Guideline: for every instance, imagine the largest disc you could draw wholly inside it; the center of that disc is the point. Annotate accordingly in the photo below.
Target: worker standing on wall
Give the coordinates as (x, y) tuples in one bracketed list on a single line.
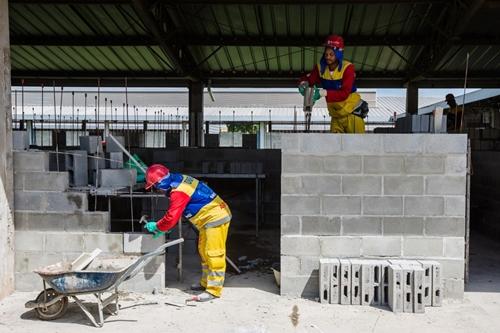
[(336, 77), (453, 115), (208, 213)]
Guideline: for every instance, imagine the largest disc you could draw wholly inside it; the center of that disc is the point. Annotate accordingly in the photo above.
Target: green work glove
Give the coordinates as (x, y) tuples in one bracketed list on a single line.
[(302, 87), (151, 226), (316, 94)]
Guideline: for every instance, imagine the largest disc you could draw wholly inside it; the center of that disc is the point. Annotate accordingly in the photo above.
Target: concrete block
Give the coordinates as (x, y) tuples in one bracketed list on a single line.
[(31, 161), (381, 246), (418, 290), (115, 160), (361, 225), (290, 225), (61, 221), (383, 205), (321, 184), (377, 280), (299, 286), (91, 144), (342, 164), (454, 247), (423, 165), (450, 185), (76, 163), (403, 185), (338, 246), (44, 181), (345, 281), (29, 241), (367, 285), (291, 184), (117, 177), (382, 165), (403, 143), (309, 265), (64, 242), (300, 205), (359, 185), (456, 164), (453, 289), (385, 283), (144, 283), (65, 202), (301, 164), (320, 225), (395, 288), (325, 275), (427, 282), (445, 226), (27, 282), (30, 201), (362, 144), (355, 281), (340, 205), (437, 292), (27, 262), (335, 282), (424, 206), (407, 272), (107, 242), (446, 144), (320, 145), (452, 268), (290, 265), (134, 243), (403, 226), (288, 143), (20, 140), (454, 206), (422, 247), (112, 147), (300, 245)]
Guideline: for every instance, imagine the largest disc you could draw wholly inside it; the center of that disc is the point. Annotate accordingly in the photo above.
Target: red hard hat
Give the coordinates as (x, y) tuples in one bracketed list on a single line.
[(334, 41), (154, 174)]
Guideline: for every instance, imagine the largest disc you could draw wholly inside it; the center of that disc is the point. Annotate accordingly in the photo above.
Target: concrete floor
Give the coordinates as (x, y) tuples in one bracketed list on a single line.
[(251, 304)]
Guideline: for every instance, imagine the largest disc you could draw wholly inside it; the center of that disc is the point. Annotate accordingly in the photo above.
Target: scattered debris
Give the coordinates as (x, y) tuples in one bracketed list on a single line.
[(294, 317)]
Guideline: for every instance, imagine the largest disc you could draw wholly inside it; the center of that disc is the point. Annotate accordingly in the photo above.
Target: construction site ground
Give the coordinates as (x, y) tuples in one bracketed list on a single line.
[(251, 304)]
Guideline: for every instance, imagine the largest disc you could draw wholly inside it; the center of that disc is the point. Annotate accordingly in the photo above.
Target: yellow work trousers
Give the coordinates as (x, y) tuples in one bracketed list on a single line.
[(343, 121), (212, 250), (347, 124)]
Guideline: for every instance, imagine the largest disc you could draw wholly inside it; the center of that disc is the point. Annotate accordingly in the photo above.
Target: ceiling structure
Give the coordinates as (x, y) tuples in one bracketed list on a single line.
[(259, 43)]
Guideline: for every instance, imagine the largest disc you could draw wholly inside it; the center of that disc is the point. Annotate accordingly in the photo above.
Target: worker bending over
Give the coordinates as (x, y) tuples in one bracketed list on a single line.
[(206, 211), (336, 77)]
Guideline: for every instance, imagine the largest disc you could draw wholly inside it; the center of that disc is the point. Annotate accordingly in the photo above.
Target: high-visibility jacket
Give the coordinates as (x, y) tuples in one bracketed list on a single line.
[(195, 201)]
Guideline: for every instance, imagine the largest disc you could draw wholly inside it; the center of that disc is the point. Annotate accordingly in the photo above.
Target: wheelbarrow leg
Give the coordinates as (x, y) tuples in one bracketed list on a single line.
[(86, 311), (100, 307)]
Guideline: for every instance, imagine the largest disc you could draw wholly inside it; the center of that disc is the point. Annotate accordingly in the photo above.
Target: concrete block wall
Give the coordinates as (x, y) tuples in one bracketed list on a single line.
[(53, 224), (373, 196)]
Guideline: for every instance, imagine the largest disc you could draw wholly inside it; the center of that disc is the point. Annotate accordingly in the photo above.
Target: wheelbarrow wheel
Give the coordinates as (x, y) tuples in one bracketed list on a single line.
[(54, 311)]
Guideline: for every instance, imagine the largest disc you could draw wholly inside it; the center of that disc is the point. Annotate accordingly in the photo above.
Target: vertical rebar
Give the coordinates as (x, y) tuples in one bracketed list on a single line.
[(85, 110), (111, 109), (60, 107), (73, 118), (22, 102), (15, 108), (41, 125)]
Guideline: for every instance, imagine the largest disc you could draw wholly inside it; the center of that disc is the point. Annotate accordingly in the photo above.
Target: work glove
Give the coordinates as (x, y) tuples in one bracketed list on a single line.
[(302, 87), (152, 227), (318, 93)]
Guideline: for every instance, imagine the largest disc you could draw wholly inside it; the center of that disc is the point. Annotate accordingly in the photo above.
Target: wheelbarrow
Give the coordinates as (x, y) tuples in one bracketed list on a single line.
[(52, 302)]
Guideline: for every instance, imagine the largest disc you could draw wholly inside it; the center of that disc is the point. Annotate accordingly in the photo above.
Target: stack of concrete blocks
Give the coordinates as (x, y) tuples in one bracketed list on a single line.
[(53, 224), (230, 139), (373, 196), (403, 285)]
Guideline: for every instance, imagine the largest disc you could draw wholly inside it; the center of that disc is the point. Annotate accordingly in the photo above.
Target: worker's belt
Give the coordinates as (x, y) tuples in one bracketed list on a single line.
[(361, 110)]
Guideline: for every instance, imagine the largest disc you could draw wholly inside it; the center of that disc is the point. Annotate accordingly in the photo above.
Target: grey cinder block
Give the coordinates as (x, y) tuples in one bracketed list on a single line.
[(327, 144), (355, 281), (341, 205), (427, 282), (423, 165), (117, 177), (301, 164), (418, 290), (437, 293), (91, 143), (383, 164), (321, 184), (361, 225), (359, 185), (335, 282), (342, 165), (367, 268), (112, 147), (407, 273), (395, 288), (320, 225), (329, 281), (300, 205), (345, 281), (31, 161)]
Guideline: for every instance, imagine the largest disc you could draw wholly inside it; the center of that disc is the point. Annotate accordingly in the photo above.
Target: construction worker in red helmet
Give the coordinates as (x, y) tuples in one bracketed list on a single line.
[(336, 77), (206, 211)]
